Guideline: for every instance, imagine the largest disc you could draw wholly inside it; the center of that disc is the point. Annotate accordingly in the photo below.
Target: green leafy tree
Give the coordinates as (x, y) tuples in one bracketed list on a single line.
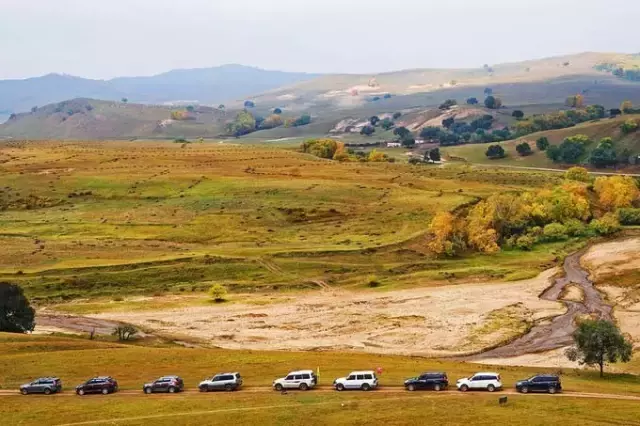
[(124, 100), (218, 293), (277, 111), (401, 132), (434, 155), (368, 130), (488, 91), (494, 152), (598, 342), (249, 104), (542, 143), (524, 149), (243, 124), (374, 120), (448, 104), (408, 142), (397, 115), (190, 108), (16, 315), (124, 332), (614, 112), (448, 122), (472, 101), (387, 124), (517, 114), (492, 102), (629, 126)]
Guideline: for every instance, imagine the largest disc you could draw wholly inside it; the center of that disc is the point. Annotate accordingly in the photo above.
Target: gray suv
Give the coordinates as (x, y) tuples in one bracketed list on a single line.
[(45, 385), (221, 382)]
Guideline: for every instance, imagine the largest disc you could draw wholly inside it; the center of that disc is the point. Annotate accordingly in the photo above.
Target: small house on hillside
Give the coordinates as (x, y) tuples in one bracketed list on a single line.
[(393, 145)]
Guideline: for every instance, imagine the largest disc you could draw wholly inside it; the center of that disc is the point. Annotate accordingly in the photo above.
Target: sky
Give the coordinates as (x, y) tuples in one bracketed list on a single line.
[(109, 38)]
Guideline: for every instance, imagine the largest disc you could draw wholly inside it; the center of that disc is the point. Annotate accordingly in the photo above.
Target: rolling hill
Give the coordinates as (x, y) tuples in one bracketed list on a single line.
[(207, 86)]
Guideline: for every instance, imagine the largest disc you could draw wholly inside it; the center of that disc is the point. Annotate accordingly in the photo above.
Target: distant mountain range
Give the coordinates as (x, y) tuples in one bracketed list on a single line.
[(200, 86)]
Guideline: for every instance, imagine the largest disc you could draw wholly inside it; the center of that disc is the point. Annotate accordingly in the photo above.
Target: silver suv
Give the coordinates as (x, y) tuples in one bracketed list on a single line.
[(221, 382), (45, 385)]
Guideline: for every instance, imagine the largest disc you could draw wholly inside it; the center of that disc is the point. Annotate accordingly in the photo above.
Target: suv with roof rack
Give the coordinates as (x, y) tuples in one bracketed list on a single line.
[(303, 380), (221, 382), (170, 384), (435, 381), (45, 385), (103, 385)]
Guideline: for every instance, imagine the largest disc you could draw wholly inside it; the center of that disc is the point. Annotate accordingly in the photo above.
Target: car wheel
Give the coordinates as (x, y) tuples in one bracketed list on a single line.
[(47, 391), (279, 387), (24, 391), (340, 387), (366, 387), (172, 390), (202, 388), (552, 390), (491, 388), (411, 387), (524, 389), (304, 387), (464, 388), (147, 390), (437, 387), (80, 392), (228, 387), (105, 391)]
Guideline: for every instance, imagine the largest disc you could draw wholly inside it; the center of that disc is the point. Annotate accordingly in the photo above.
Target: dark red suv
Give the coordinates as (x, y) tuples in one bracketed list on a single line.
[(103, 385)]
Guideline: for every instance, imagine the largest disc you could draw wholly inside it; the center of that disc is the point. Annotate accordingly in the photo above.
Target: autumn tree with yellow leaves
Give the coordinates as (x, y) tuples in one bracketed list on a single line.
[(616, 192)]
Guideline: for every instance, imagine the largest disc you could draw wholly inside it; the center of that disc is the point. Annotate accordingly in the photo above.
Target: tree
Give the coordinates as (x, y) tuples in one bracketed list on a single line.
[(303, 120), (374, 120), (16, 315), (277, 111), (408, 141), (243, 124), (579, 174), (125, 100), (323, 148), (397, 115), (447, 122), (613, 112), (492, 102), (597, 342), (448, 104), (218, 293), (434, 155), (445, 239), (249, 104), (629, 126), (387, 124), (190, 108), (488, 91), (271, 122), (387, 96), (494, 152), (524, 149), (542, 143), (472, 101), (626, 107), (517, 114), (616, 192), (34, 109), (368, 130), (430, 132), (376, 156), (604, 155), (221, 107), (124, 332), (575, 101), (401, 132)]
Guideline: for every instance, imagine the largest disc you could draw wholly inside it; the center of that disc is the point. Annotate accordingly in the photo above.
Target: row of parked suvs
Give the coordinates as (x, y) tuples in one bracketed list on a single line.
[(304, 380)]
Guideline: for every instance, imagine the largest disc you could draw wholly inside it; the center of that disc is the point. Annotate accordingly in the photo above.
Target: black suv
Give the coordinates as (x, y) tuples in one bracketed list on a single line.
[(170, 384), (45, 385), (540, 383), (435, 381), (103, 385)]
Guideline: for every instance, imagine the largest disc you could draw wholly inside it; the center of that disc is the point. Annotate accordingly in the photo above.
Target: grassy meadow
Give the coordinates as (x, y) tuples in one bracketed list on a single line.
[(132, 366), (97, 219)]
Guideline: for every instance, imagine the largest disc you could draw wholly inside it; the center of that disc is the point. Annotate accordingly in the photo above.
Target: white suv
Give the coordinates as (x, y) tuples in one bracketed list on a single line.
[(303, 380), (483, 381), (365, 380)]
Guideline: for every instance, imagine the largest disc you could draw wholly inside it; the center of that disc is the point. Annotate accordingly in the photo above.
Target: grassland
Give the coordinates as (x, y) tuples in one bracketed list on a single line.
[(26, 357), (98, 219), (596, 130)]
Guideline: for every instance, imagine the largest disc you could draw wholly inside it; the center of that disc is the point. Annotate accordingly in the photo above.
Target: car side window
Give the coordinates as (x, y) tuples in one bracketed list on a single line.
[(360, 377), (537, 379), (306, 376), (352, 377), (368, 376), (290, 377), (298, 377)]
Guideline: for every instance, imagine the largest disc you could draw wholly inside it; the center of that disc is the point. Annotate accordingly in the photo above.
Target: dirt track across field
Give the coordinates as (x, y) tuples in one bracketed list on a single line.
[(556, 333)]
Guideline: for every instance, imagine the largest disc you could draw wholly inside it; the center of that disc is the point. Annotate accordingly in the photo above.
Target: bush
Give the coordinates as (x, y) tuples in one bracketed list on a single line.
[(124, 332), (218, 293), (415, 160), (472, 101), (373, 282), (629, 126), (542, 143), (524, 149), (495, 152), (526, 242), (397, 115), (555, 232), (517, 114), (576, 228), (606, 225), (323, 148), (579, 174), (448, 104), (629, 216), (368, 130), (492, 102), (16, 314)]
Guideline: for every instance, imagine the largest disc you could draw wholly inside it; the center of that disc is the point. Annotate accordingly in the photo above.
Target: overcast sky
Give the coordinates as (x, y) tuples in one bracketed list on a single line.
[(107, 38)]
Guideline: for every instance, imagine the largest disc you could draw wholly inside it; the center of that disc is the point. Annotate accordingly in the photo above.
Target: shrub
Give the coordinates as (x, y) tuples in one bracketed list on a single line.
[(629, 216), (373, 282), (218, 293), (517, 114), (542, 143), (415, 160), (577, 173), (495, 152), (526, 242), (575, 228), (323, 148), (629, 126), (368, 130), (492, 102), (524, 149), (448, 104), (606, 225), (124, 332), (397, 115), (472, 101), (555, 232)]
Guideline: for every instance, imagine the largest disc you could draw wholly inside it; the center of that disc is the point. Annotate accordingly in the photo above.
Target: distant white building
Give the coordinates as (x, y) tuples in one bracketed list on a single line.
[(393, 145), (419, 141)]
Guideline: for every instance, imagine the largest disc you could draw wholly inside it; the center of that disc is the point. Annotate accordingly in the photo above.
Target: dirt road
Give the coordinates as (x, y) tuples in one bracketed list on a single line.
[(556, 333)]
